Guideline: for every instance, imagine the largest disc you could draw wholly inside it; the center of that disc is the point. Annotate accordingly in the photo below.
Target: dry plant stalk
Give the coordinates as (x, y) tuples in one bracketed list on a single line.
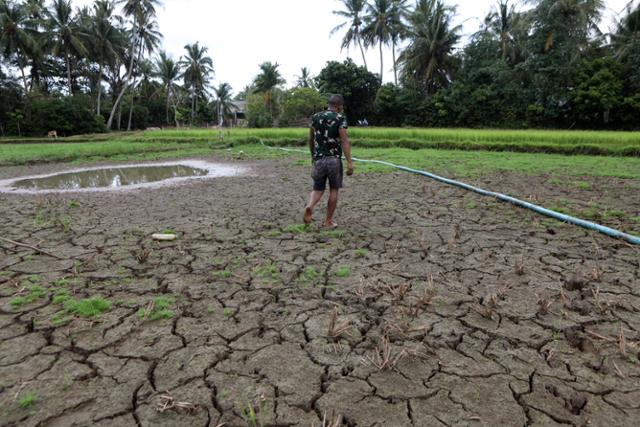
[(398, 292), (149, 309), (142, 255), (166, 402), (335, 421), (544, 304), (622, 342), (383, 359), (336, 330), (519, 267)]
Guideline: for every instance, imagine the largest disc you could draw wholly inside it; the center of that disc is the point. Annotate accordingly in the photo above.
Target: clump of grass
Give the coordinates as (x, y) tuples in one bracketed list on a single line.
[(88, 307), (222, 274), (27, 400), (360, 253), (296, 228), (308, 275), (334, 234), (267, 271), (156, 309), (227, 312), (61, 297), (36, 292), (343, 271)]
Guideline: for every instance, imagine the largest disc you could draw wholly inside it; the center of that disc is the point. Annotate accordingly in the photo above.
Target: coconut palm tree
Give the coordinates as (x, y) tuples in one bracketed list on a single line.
[(67, 35), (223, 102), (304, 79), (143, 15), (168, 71), (105, 39), (198, 67), (267, 81), (399, 13), (15, 38), (432, 37), (353, 11), (627, 35), (379, 26)]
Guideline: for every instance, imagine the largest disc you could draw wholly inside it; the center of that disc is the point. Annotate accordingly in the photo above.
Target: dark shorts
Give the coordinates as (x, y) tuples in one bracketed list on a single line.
[(327, 168)]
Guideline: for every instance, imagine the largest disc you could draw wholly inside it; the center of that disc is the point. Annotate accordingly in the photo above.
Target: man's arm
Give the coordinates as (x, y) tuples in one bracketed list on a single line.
[(312, 133), (346, 149)]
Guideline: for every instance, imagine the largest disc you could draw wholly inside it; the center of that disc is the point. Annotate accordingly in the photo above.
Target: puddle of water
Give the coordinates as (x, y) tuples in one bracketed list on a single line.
[(119, 177)]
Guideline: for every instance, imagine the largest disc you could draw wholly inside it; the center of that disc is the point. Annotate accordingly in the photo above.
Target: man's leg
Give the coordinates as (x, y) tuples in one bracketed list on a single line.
[(314, 198), (331, 206)]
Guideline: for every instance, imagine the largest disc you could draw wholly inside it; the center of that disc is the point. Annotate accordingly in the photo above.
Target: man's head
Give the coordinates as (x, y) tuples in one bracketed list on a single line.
[(336, 102)]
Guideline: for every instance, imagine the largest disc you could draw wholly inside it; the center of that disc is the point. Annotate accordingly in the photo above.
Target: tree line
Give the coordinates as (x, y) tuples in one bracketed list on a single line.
[(98, 68)]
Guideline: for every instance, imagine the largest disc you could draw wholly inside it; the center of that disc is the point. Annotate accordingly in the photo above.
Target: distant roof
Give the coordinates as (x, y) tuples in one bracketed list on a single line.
[(239, 106)]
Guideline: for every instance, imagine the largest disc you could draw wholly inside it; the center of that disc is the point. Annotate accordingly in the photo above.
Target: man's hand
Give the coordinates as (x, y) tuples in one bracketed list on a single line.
[(349, 169)]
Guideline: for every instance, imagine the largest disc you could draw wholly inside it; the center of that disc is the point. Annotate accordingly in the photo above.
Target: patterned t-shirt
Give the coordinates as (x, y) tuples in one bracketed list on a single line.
[(326, 125)]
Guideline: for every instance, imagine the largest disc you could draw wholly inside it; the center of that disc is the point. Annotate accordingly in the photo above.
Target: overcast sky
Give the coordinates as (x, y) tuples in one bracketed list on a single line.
[(241, 34)]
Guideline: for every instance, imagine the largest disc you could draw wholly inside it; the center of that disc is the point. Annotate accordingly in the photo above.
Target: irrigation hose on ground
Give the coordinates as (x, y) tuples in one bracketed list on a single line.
[(612, 232)]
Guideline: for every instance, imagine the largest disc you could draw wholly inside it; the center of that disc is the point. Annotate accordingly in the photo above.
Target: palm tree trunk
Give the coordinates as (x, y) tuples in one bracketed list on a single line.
[(395, 67), (168, 98), (27, 98), (362, 52), (119, 116), (99, 87), (193, 108), (131, 109), (124, 89), (381, 64), (69, 75)]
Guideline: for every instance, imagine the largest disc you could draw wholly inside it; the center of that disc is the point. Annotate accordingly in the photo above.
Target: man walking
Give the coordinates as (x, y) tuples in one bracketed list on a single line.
[(327, 141)]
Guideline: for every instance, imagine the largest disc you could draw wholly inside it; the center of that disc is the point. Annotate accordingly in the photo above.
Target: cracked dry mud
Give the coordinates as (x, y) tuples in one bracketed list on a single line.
[(489, 315)]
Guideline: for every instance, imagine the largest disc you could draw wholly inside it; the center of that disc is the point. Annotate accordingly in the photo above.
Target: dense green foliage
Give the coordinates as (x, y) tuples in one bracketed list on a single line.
[(545, 64)]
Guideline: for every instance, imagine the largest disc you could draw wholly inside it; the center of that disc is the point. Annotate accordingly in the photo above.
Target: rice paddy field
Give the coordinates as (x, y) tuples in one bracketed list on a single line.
[(428, 305)]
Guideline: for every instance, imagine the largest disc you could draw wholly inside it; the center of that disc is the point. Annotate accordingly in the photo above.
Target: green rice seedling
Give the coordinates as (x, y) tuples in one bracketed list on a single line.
[(88, 307), (343, 271), (73, 204), (227, 312), (27, 400)]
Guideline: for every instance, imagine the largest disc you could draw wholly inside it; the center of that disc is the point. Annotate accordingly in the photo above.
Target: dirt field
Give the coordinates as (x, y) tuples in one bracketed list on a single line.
[(428, 306)]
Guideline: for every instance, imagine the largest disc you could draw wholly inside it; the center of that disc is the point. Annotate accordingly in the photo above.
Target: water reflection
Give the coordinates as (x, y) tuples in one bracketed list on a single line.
[(110, 178)]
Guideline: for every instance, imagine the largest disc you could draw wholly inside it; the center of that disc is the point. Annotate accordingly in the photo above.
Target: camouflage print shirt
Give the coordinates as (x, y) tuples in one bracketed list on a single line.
[(326, 126)]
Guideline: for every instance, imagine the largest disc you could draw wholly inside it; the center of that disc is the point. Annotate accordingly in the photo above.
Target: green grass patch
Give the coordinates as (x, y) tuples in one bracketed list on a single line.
[(27, 400), (343, 271), (36, 292), (267, 271), (159, 309), (296, 228), (309, 274), (222, 274), (360, 253), (88, 307)]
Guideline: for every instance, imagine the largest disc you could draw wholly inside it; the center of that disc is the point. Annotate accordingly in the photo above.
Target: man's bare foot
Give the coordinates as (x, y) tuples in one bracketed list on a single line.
[(330, 224), (307, 215)]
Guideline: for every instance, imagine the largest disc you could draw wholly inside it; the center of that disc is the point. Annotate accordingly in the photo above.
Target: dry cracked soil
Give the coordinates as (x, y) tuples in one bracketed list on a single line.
[(428, 306)]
